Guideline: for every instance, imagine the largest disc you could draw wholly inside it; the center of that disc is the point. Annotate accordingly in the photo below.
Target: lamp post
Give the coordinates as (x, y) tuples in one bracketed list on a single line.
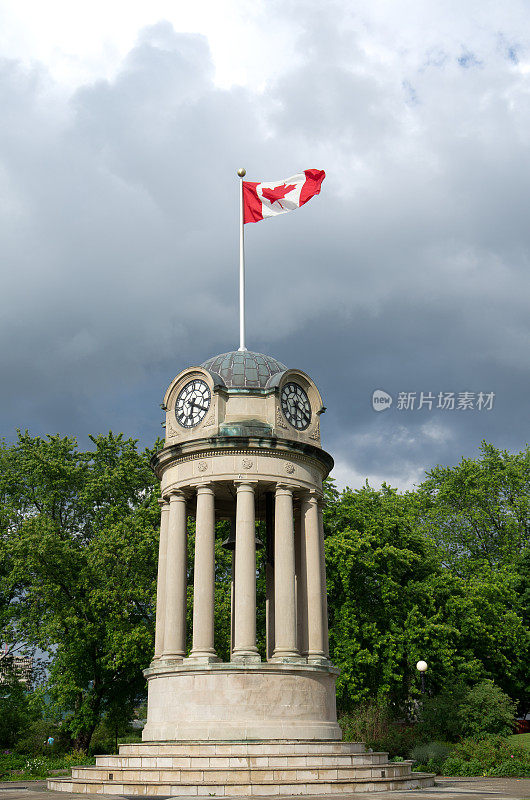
[(421, 666)]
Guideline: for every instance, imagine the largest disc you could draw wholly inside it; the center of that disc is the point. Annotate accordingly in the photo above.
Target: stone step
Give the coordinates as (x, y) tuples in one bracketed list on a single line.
[(223, 762), (271, 747), (315, 787), (241, 775)]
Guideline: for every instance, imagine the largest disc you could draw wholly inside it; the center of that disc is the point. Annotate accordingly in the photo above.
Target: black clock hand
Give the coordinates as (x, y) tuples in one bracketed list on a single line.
[(301, 412)]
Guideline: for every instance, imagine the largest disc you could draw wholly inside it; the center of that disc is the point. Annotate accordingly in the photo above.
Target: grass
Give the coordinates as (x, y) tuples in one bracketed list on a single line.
[(522, 739)]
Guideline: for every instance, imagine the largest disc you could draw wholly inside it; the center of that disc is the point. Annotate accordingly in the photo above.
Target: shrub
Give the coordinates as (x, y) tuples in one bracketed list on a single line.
[(10, 762), (463, 712), (439, 720), (76, 758), (372, 723), (368, 722), (486, 709), (37, 767), (14, 766), (488, 756), (431, 755), (33, 739)]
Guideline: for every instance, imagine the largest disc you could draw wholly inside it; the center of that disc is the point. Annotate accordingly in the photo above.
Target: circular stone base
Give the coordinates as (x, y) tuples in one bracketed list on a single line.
[(226, 702)]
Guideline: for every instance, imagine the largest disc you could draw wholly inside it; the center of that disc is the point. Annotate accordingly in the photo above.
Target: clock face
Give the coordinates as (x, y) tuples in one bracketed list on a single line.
[(192, 403), (296, 406)]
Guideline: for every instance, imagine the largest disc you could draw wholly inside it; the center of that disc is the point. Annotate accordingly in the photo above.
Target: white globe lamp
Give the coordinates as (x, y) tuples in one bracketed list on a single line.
[(421, 666)]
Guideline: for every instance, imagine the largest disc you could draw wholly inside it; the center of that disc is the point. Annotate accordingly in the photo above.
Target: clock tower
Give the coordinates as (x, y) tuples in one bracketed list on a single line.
[(243, 444)]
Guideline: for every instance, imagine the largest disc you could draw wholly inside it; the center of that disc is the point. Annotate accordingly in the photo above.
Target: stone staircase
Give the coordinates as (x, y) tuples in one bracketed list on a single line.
[(235, 769)]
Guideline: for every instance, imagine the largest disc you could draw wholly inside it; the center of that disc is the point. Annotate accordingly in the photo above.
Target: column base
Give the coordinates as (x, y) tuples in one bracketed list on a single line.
[(288, 658), (245, 658), (318, 659), (168, 658), (201, 658)]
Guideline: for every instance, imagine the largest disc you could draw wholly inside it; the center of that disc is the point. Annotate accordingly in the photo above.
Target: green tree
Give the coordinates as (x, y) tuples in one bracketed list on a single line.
[(393, 601), (80, 534), (16, 713), (478, 512), (380, 615)]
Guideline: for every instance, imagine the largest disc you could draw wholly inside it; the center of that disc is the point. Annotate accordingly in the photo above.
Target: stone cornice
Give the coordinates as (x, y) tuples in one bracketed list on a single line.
[(170, 667), (239, 445)]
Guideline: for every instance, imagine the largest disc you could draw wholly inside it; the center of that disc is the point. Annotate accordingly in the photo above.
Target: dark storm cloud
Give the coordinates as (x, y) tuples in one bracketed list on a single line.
[(408, 273)]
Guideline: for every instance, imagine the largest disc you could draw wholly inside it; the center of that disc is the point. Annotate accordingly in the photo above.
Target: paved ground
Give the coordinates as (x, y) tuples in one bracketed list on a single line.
[(445, 789)]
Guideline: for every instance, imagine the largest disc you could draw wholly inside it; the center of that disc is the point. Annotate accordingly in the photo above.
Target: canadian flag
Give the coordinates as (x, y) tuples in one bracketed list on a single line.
[(262, 200)]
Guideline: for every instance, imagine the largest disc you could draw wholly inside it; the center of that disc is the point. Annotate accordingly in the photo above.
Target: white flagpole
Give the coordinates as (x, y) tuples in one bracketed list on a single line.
[(241, 172)]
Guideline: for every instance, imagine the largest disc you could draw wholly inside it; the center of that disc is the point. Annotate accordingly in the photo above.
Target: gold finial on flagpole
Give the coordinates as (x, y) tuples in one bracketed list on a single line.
[(241, 172)]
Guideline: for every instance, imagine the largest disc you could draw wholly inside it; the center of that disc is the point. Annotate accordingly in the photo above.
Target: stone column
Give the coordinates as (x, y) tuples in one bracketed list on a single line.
[(176, 578), (325, 632), (316, 580), (232, 600), (245, 575), (301, 581), (284, 570), (161, 579), (269, 610), (269, 573), (204, 576)]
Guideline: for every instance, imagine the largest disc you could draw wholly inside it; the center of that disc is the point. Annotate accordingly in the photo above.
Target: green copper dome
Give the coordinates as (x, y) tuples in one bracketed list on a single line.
[(242, 369)]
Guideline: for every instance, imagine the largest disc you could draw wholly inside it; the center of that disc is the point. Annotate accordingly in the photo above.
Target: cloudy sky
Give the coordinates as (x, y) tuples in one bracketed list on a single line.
[(123, 124)]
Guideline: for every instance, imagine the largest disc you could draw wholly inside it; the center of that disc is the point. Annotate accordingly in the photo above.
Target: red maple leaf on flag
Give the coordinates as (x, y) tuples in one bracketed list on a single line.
[(277, 193)]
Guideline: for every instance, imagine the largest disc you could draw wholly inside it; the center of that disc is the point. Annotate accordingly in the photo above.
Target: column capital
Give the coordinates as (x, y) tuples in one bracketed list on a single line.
[(285, 488), (176, 494), (205, 487), (312, 496), (162, 502), (241, 484)]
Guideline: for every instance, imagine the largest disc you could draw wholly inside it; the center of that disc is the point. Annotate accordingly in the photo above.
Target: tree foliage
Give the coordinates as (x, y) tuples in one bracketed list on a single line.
[(478, 512), (16, 712), (394, 600), (79, 532)]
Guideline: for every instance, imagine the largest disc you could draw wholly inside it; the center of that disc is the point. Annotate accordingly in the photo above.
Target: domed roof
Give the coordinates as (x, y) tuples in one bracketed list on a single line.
[(242, 369)]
